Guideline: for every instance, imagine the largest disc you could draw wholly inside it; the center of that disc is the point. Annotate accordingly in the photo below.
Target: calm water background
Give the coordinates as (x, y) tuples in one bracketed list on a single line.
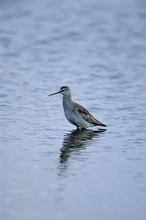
[(49, 171)]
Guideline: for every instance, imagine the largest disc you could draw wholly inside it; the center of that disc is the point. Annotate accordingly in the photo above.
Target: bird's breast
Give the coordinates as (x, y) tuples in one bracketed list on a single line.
[(68, 114)]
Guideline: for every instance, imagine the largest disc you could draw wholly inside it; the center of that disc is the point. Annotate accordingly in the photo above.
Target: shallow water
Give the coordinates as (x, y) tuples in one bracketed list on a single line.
[(49, 170)]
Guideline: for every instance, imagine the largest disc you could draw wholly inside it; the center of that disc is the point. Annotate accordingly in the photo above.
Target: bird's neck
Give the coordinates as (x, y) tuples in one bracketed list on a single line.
[(67, 101)]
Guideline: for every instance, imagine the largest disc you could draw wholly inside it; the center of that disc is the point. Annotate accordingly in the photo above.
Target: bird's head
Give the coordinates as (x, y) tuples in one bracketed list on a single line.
[(64, 90)]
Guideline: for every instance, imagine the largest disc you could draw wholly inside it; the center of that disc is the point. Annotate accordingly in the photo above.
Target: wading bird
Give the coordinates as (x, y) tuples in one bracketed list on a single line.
[(75, 113)]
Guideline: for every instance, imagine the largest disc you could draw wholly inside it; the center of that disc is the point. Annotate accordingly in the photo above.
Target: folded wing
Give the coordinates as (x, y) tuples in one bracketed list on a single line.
[(85, 114)]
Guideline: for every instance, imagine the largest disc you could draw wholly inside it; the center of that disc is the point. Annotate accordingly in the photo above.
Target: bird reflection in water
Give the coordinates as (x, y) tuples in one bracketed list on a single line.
[(76, 140)]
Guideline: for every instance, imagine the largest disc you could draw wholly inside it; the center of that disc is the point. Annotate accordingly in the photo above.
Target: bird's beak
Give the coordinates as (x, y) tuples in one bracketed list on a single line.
[(55, 93)]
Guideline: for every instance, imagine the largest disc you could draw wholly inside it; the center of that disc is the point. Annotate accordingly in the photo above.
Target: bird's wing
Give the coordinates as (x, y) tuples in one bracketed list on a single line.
[(85, 114)]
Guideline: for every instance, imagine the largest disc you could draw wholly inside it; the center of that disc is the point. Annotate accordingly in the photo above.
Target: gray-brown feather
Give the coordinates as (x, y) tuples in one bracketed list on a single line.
[(85, 114)]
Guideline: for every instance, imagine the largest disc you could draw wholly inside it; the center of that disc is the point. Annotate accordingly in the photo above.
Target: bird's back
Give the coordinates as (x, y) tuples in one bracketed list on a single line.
[(87, 116)]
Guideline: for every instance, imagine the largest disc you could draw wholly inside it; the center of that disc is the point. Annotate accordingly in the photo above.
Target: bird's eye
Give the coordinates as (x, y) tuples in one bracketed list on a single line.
[(63, 89)]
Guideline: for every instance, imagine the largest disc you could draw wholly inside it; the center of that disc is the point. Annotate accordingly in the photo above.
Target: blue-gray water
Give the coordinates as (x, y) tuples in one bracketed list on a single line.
[(49, 171)]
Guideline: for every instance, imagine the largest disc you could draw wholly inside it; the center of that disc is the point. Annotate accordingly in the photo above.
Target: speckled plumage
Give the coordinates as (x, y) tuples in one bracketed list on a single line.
[(75, 113)]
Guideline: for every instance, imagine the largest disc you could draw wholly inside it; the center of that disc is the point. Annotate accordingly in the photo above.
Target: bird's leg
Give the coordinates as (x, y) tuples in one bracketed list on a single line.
[(80, 128)]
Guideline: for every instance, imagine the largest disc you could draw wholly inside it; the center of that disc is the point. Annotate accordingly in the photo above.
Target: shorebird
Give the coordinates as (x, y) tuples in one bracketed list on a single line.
[(75, 113)]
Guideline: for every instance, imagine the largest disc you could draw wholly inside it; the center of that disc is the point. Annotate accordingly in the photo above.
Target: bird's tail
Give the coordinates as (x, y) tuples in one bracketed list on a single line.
[(98, 123), (101, 124)]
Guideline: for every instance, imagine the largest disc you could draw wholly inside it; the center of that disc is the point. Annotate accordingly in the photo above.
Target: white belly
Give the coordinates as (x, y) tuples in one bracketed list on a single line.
[(76, 119)]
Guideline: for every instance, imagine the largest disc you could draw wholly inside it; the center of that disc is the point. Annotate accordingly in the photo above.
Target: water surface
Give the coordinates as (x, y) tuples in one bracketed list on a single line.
[(49, 170)]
